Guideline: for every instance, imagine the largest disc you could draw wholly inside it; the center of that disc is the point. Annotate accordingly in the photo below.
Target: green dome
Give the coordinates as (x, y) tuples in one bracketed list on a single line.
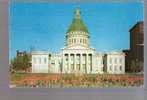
[(77, 23)]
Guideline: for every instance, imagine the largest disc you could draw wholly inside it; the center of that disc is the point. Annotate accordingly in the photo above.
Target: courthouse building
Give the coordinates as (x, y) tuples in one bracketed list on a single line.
[(77, 56)]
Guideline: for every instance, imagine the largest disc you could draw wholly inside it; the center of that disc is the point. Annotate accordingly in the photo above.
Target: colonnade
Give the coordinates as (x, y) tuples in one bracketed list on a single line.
[(77, 62)]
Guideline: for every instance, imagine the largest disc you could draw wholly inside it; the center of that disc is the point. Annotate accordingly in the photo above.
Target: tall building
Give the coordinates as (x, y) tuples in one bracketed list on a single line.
[(135, 56), (137, 41), (77, 56)]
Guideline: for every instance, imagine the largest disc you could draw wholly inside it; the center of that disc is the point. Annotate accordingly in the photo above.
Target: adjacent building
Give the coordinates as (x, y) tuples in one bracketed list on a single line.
[(114, 63), (40, 62), (21, 53), (135, 55)]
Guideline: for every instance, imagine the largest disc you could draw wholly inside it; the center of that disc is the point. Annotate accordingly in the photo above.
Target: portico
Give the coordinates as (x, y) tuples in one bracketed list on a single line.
[(78, 61)]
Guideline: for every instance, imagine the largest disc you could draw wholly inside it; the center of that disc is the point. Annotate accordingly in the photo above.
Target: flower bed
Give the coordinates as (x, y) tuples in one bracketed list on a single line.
[(72, 81)]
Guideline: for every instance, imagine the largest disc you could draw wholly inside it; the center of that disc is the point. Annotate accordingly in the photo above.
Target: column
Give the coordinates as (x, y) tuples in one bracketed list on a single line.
[(93, 63), (87, 69), (113, 68), (81, 67), (84, 56), (74, 62), (63, 65), (69, 68), (90, 56)]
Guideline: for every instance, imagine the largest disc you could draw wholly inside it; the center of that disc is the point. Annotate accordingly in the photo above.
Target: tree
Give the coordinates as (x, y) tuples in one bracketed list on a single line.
[(21, 63)]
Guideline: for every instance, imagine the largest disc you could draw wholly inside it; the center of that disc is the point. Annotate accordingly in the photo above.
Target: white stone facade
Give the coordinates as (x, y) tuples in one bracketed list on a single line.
[(99, 63), (79, 60), (78, 56), (82, 60), (40, 62), (115, 63), (55, 64)]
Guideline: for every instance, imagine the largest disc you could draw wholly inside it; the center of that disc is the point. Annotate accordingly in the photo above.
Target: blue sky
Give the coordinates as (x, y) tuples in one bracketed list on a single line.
[(42, 26)]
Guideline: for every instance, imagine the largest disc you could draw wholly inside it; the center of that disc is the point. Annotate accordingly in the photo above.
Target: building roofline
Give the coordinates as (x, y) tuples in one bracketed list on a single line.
[(139, 22), (40, 52)]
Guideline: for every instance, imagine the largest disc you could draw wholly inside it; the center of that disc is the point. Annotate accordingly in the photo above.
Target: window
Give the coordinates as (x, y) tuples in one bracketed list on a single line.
[(115, 60), (80, 40), (49, 56), (39, 60), (120, 60), (120, 68), (45, 60), (110, 68), (34, 60), (115, 68), (110, 60), (74, 40)]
